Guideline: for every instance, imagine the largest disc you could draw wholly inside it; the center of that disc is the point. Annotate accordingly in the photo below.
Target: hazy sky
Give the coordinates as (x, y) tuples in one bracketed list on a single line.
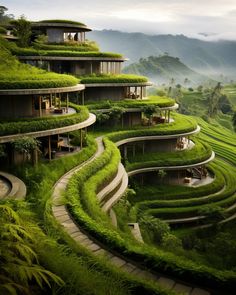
[(217, 18)]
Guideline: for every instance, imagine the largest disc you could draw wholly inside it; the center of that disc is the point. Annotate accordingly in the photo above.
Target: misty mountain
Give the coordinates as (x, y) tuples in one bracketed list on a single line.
[(164, 68), (203, 56)]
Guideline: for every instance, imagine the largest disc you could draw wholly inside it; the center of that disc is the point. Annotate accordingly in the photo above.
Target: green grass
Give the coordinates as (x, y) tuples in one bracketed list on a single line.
[(105, 78), (78, 47), (61, 21), (181, 124), (159, 101), (199, 153), (62, 52)]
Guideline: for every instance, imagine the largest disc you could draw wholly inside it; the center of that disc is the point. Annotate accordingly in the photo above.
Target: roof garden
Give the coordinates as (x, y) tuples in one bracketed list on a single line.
[(61, 23), (65, 53), (14, 75), (159, 101), (106, 78)]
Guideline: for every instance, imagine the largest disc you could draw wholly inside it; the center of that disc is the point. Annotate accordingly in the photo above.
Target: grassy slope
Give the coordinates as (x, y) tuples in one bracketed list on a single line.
[(163, 69)]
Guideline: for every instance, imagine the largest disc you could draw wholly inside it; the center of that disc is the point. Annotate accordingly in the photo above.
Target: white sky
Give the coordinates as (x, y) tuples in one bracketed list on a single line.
[(217, 18)]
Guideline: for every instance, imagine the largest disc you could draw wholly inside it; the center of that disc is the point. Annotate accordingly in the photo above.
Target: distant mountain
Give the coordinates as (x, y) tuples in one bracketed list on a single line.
[(204, 56), (164, 68)]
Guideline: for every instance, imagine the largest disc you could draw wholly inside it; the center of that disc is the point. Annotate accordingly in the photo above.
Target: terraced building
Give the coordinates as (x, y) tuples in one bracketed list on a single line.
[(142, 140)]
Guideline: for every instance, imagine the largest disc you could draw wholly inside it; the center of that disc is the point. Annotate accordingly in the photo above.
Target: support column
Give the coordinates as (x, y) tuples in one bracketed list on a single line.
[(143, 148), (134, 150), (49, 148), (40, 106), (141, 92), (50, 101), (68, 141), (169, 116), (82, 96), (81, 139), (67, 102), (101, 67), (91, 68), (125, 151)]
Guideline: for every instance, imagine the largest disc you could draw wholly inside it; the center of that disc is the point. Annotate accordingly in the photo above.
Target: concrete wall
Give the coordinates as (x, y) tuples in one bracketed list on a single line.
[(104, 93), (16, 106), (55, 35), (152, 178), (85, 67), (165, 145)]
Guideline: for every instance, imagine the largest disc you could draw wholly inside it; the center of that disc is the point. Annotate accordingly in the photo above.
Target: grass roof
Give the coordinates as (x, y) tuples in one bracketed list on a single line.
[(15, 75), (62, 21)]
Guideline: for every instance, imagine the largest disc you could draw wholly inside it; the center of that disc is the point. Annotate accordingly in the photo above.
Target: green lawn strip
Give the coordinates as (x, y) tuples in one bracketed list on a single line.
[(62, 52), (81, 47), (44, 123), (28, 80), (181, 124), (106, 78), (131, 103), (175, 192), (199, 153)]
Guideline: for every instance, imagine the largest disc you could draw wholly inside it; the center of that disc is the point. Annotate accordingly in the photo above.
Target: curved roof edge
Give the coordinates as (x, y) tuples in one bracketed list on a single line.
[(75, 88), (181, 167), (112, 84), (156, 137), (91, 120)]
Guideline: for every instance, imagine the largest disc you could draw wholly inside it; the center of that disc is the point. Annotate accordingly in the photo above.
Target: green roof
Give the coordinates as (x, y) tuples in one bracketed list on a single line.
[(15, 75), (122, 78), (62, 21)]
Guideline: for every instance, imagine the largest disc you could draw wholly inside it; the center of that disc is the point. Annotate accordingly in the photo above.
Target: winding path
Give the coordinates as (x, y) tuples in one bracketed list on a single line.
[(63, 217)]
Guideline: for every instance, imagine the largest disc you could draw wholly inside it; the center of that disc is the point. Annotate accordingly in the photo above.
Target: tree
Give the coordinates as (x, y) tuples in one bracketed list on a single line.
[(5, 18), (116, 113), (26, 145), (148, 111), (19, 267), (224, 104), (213, 97), (23, 31)]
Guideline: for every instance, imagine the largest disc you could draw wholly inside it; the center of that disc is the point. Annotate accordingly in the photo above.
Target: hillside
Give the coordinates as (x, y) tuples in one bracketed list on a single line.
[(163, 68), (201, 55)]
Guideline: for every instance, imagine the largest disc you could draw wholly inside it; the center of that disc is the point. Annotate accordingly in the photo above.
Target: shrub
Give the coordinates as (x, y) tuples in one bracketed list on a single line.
[(158, 227)]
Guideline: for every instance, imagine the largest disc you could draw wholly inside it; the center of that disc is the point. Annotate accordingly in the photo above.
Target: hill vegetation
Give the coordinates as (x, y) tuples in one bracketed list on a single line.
[(163, 68)]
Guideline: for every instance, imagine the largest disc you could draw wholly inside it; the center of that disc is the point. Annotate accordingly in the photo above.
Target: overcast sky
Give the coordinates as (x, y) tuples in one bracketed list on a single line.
[(216, 18)]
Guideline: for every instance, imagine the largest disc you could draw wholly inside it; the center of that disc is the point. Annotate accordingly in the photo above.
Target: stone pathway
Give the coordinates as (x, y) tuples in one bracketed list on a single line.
[(11, 187), (73, 230)]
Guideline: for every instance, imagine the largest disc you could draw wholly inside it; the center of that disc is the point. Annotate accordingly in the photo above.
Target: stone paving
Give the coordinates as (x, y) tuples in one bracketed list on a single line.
[(73, 230), (11, 187)]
